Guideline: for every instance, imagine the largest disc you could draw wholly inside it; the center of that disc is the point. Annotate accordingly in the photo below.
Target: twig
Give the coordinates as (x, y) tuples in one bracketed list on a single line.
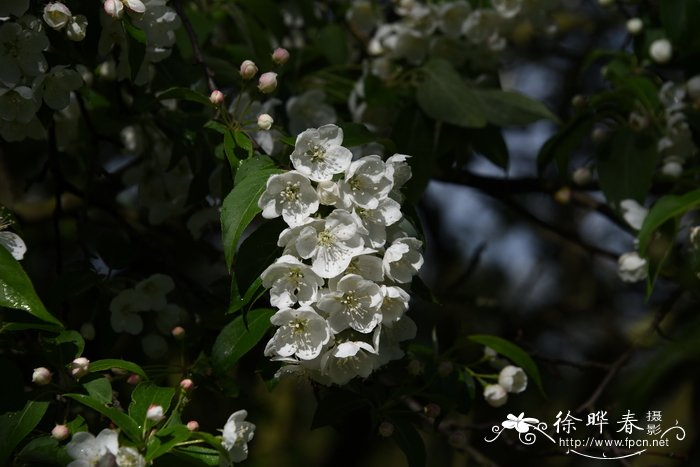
[(614, 368), (199, 58), (584, 365)]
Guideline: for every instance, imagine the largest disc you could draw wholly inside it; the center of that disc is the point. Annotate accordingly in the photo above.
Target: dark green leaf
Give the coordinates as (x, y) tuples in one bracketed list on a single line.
[(216, 126), (560, 147), (99, 389), (199, 454), (145, 395), (410, 442), (252, 166), (109, 363), (15, 426), (185, 94), (333, 42), (119, 418), (505, 108), (77, 424), (239, 209), (17, 291), (235, 340), (165, 440), (667, 208), (444, 96), (230, 150), (244, 142), (356, 134), (68, 345), (44, 450), (513, 353)]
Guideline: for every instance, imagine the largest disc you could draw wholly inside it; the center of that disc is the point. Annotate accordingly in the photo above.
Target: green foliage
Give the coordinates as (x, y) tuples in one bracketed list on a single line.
[(15, 426), (237, 338)]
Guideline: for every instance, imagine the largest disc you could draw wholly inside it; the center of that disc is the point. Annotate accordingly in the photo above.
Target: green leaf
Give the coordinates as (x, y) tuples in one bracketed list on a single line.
[(43, 450), (99, 389), (216, 126), (444, 96), (626, 164), (252, 166), (230, 150), (410, 442), (240, 302), (147, 394), (165, 439), (667, 208), (15, 426), (333, 42), (504, 108), (205, 456), (239, 209), (677, 18), (137, 34), (257, 252), (68, 345), (243, 142), (119, 418), (560, 147), (77, 424), (513, 353), (356, 134), (235, 340), (17, 291), (187, 95), (109, 363)]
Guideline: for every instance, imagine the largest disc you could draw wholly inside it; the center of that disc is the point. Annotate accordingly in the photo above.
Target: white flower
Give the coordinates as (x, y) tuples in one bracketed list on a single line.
[(265, 122), (633, 213), (348, 360), (124, 310), (390, 337), (58, 84), (368, 266), (399, 172), (18, 104), (236, 436), (21, 53), (402, 260), (632, 267), (452, 15), (14, 244), (394, 304), (508, 8), (309, 110), (88, 450), (79, 367), (289, 195), (364, 183), (634, 26), (153, 291), (115, 8), (495, 395), (76, 29), (129, 457), (387, 212), (693, 87), (291, 281), (481, 25), (331, 244), (267, 82), (355, 304), (302, 332), (661, 51), (328, 193), (56, 15), (512, 379), (289, 236), (318, 153)]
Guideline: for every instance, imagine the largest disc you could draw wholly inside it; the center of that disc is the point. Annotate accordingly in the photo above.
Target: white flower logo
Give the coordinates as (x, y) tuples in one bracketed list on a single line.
[(521, 424)]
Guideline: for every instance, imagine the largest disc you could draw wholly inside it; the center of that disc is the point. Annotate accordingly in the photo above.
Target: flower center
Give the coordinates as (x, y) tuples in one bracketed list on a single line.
[(326, 238), (296, 275), (317, 153), (290, 192), (350, 300), (355, 184), (298, 326)]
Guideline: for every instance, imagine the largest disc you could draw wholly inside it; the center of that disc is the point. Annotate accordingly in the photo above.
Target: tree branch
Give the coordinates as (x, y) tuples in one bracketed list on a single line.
[(192, 35)]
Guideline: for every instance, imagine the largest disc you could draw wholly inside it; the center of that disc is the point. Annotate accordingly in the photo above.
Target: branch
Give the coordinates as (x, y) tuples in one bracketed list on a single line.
[(612, 372), (199, 57)]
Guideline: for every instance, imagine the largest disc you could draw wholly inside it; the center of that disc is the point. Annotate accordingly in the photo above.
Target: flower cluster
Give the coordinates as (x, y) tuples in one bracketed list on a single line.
[(148, 295), (237, 433), (676, 145), (86, 449), (340, 286), (631, 266), (511, 379)]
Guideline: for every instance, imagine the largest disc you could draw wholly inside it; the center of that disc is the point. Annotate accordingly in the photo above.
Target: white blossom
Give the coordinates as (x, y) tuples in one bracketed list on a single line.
[(348, 360), (633, 213), (512, 379), (394, 304), (365, 184), (402, 260), (56, 15), (632, 267), (661, 51), (129, 457), (452, 15), (14, 244), (355, 303), (375, 221), (88, 450), (291, 281), (508, 8), (368, 266), (318, 153), (302, 332), (57, 85), (18, 104), (236, 435), (495, 395), (291, 196)]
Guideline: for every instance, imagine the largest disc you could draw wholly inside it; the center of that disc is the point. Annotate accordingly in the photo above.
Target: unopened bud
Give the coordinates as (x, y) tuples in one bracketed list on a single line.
[(386, 429), (56, 15), (155, 413), (248, 69), (133, 379), (661, 51), (634, 26), (599, 135), (432, 410), (280, 56), (187, 384), (582, 176), (265, 122), (578, 101), (193, 425), (60, 432), (267, 82), (41, 376), (178, 332), (114, 8), (693, 87), (79, 367), (216, 97), (563, 195), (495, 395)]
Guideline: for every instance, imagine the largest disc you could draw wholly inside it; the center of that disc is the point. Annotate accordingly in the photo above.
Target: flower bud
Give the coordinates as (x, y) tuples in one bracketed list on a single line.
[(490, 354), (280, 56), (133, 379), (41, 376), (634, 26), (178, 332), (114, 8), (661, 51), (79, 367), (599, 135), (693, 86), (265, 122), (267, 82), (56, 15), (187, 384), (87, 330), (432, 410), (672, 166), (248, 69), (386, 429), (495, 395), (216, 97), (77, 28), (193, 425), (631, 267), (563, 195), (582, 176), (512, 379), (578, 101), (60, 432), (155, 413)]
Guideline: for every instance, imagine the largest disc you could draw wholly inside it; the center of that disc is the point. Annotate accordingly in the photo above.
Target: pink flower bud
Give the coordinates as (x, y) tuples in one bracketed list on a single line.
[(280, 56), (187, 384), (41, 376), (60, 432), (79, 367), (216, 97), (155, 413), (192, 425), (248, 69), (178, 332), (386, 429), (114, 8), (267, 82), (133, 379), (432, 410), (265, 122)]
